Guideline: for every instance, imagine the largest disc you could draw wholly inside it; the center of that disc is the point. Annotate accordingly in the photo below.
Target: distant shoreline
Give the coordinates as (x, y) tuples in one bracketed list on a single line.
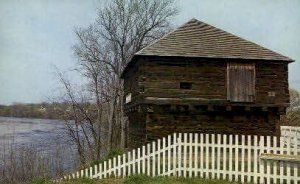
[(35, 118)]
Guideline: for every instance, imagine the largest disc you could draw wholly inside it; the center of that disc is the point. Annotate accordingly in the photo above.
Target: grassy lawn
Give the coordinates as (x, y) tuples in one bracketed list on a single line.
[(141, 179)]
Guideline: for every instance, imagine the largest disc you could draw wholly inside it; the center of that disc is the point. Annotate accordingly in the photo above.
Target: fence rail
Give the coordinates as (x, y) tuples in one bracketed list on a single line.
[(229, 157)]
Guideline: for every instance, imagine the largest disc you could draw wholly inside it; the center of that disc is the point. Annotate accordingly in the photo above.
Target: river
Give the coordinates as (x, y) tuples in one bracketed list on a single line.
[(43, 135)]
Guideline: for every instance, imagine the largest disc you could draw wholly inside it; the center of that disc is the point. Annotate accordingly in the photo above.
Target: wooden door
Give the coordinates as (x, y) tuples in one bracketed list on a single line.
[(241, 82)]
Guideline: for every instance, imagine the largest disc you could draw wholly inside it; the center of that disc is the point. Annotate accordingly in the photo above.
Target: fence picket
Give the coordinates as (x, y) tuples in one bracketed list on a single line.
[(230, 158), (158, 157), (213, 147), (100, 171), (243, 160), (144, 160), (268, 162), (236, 163), (109, 168), (174, 154), (119, 166), (148, 159), (190, 154), (179, 164), (261, 162), (184, 154), (255, 163), (206, 173), (281, 163), (201, 155), (169, 155), (288, 169), (128, 164), (138, 161), (196, 162), (133, 162), (153, 159), (218, 155), (275, 163), (224, 154), (164, 155), (295, 164), (124, 166), (249, 162)]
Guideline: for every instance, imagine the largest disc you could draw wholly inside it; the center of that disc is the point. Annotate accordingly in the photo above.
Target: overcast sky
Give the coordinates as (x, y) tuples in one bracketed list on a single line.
[(35, 35)]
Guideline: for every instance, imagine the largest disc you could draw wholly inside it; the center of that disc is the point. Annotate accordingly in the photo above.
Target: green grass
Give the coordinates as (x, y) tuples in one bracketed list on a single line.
[(113, 153), (141, 179)]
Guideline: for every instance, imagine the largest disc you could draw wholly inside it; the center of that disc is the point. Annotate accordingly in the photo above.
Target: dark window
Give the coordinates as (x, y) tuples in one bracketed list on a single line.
[(185, 85), (142, 89)]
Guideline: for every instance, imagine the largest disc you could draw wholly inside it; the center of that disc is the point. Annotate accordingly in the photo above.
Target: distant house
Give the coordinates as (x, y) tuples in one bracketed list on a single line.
[(199, 78)]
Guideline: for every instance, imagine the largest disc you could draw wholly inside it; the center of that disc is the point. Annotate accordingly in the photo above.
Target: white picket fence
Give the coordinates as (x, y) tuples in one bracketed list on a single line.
[(255, 159), (291, 132)]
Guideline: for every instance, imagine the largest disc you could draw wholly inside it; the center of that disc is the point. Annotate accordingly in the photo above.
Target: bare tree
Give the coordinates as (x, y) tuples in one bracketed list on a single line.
[(292, 117), (103, 49)]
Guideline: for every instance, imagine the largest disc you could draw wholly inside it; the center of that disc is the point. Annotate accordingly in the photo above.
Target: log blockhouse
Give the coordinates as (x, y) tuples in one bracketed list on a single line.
[(199, 78)]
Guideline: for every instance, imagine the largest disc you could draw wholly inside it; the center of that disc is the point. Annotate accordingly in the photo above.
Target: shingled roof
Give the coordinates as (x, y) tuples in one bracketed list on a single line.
[(198, 39)]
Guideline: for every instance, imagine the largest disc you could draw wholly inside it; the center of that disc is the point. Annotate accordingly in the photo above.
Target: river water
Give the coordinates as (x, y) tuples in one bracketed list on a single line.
[(41, 134)]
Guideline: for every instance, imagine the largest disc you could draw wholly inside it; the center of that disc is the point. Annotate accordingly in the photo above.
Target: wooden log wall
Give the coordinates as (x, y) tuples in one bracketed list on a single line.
[(272, 77), (163, 77), (161, 122)]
